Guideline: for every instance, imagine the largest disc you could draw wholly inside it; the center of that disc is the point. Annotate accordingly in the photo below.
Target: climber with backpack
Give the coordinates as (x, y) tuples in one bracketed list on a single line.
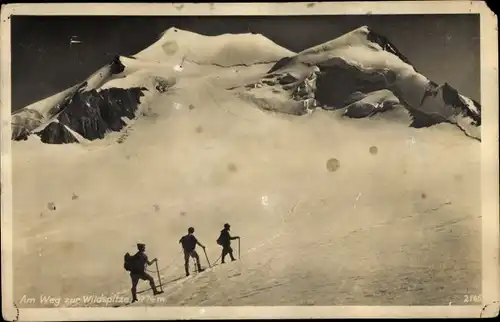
[(136, 265), (224, 240), (189, 243)]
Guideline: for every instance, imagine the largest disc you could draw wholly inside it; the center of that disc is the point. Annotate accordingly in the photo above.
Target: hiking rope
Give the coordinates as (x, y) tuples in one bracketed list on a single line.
[(176, 258), (220, 256), (164, 268)]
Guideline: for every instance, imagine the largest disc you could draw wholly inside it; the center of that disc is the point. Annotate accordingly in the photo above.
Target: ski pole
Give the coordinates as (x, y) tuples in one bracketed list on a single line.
[(205, 251), (159, 279)]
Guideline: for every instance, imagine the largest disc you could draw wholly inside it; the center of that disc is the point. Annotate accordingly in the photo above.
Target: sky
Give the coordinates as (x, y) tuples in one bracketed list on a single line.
[(445, 48)]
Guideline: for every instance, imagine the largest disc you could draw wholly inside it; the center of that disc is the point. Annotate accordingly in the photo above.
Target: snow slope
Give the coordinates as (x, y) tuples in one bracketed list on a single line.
[(398, 226)]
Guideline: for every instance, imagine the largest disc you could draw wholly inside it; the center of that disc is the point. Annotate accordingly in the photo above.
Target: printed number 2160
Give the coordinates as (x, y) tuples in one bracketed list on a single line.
[(472, 298)]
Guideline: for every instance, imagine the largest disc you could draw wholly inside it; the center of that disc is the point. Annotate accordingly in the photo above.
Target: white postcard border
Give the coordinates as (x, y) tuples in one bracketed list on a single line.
[(489, 165)]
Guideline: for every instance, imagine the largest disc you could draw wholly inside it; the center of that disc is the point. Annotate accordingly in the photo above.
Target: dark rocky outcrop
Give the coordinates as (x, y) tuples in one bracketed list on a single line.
[(55, 132), (336, 84), (116, 66), (19, 133), (280, 64), (420, 119), (88, 112), (430, 91), (354, 97), (23, 121), (359, 111), (366, 109), (452, 97), (92, 114), (387, 46), (478, 108)]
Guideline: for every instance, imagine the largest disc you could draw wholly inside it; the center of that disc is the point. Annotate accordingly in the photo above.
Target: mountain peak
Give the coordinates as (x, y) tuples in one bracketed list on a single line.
[(224, 50), (386, 45), (175, 31), (116, 65)]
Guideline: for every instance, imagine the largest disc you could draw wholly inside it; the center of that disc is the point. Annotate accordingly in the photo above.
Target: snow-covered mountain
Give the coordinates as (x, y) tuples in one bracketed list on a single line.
[(361, 73), (359, 208)]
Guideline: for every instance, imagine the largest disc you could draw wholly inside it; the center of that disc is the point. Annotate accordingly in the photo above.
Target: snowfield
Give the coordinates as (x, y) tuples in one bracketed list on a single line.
[(336, 204), (224, 50)]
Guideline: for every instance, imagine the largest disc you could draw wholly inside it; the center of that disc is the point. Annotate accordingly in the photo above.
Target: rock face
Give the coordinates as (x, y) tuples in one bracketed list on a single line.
[(293, 91), (386, 45), (32, 117), (339, 81), (366, 105), (91, 114), (84, 109), (23, 122), (56, 132)]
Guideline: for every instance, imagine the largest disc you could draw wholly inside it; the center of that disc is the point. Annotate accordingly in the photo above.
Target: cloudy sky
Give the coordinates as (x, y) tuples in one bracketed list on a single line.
[(445, 48)]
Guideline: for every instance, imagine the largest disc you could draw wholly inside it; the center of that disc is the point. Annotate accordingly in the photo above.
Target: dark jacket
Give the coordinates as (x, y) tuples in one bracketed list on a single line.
[(140, 261), (225, 238), (188, 242)]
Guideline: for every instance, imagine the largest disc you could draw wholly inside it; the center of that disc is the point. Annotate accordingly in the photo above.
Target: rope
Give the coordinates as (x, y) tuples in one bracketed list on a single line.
[(169, 265), (164, 268), (176, 258), (220, 256)]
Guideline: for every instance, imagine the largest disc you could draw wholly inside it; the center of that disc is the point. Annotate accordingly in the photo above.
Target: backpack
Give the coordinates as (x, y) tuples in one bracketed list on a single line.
[(127, 262), (219, 240), (130, 263)]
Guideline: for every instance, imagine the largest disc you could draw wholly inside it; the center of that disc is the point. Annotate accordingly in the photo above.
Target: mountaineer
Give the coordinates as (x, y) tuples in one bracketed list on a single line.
[(189, 243), (136, 264), (224, 240)]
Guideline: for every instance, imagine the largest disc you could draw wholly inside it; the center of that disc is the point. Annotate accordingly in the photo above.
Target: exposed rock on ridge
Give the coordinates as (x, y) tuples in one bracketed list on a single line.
[(363, 73)]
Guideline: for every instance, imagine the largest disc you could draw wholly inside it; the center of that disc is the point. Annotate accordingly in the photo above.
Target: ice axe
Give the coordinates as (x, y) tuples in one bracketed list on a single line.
[(206, 256), (159, 279), (239, 254)]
